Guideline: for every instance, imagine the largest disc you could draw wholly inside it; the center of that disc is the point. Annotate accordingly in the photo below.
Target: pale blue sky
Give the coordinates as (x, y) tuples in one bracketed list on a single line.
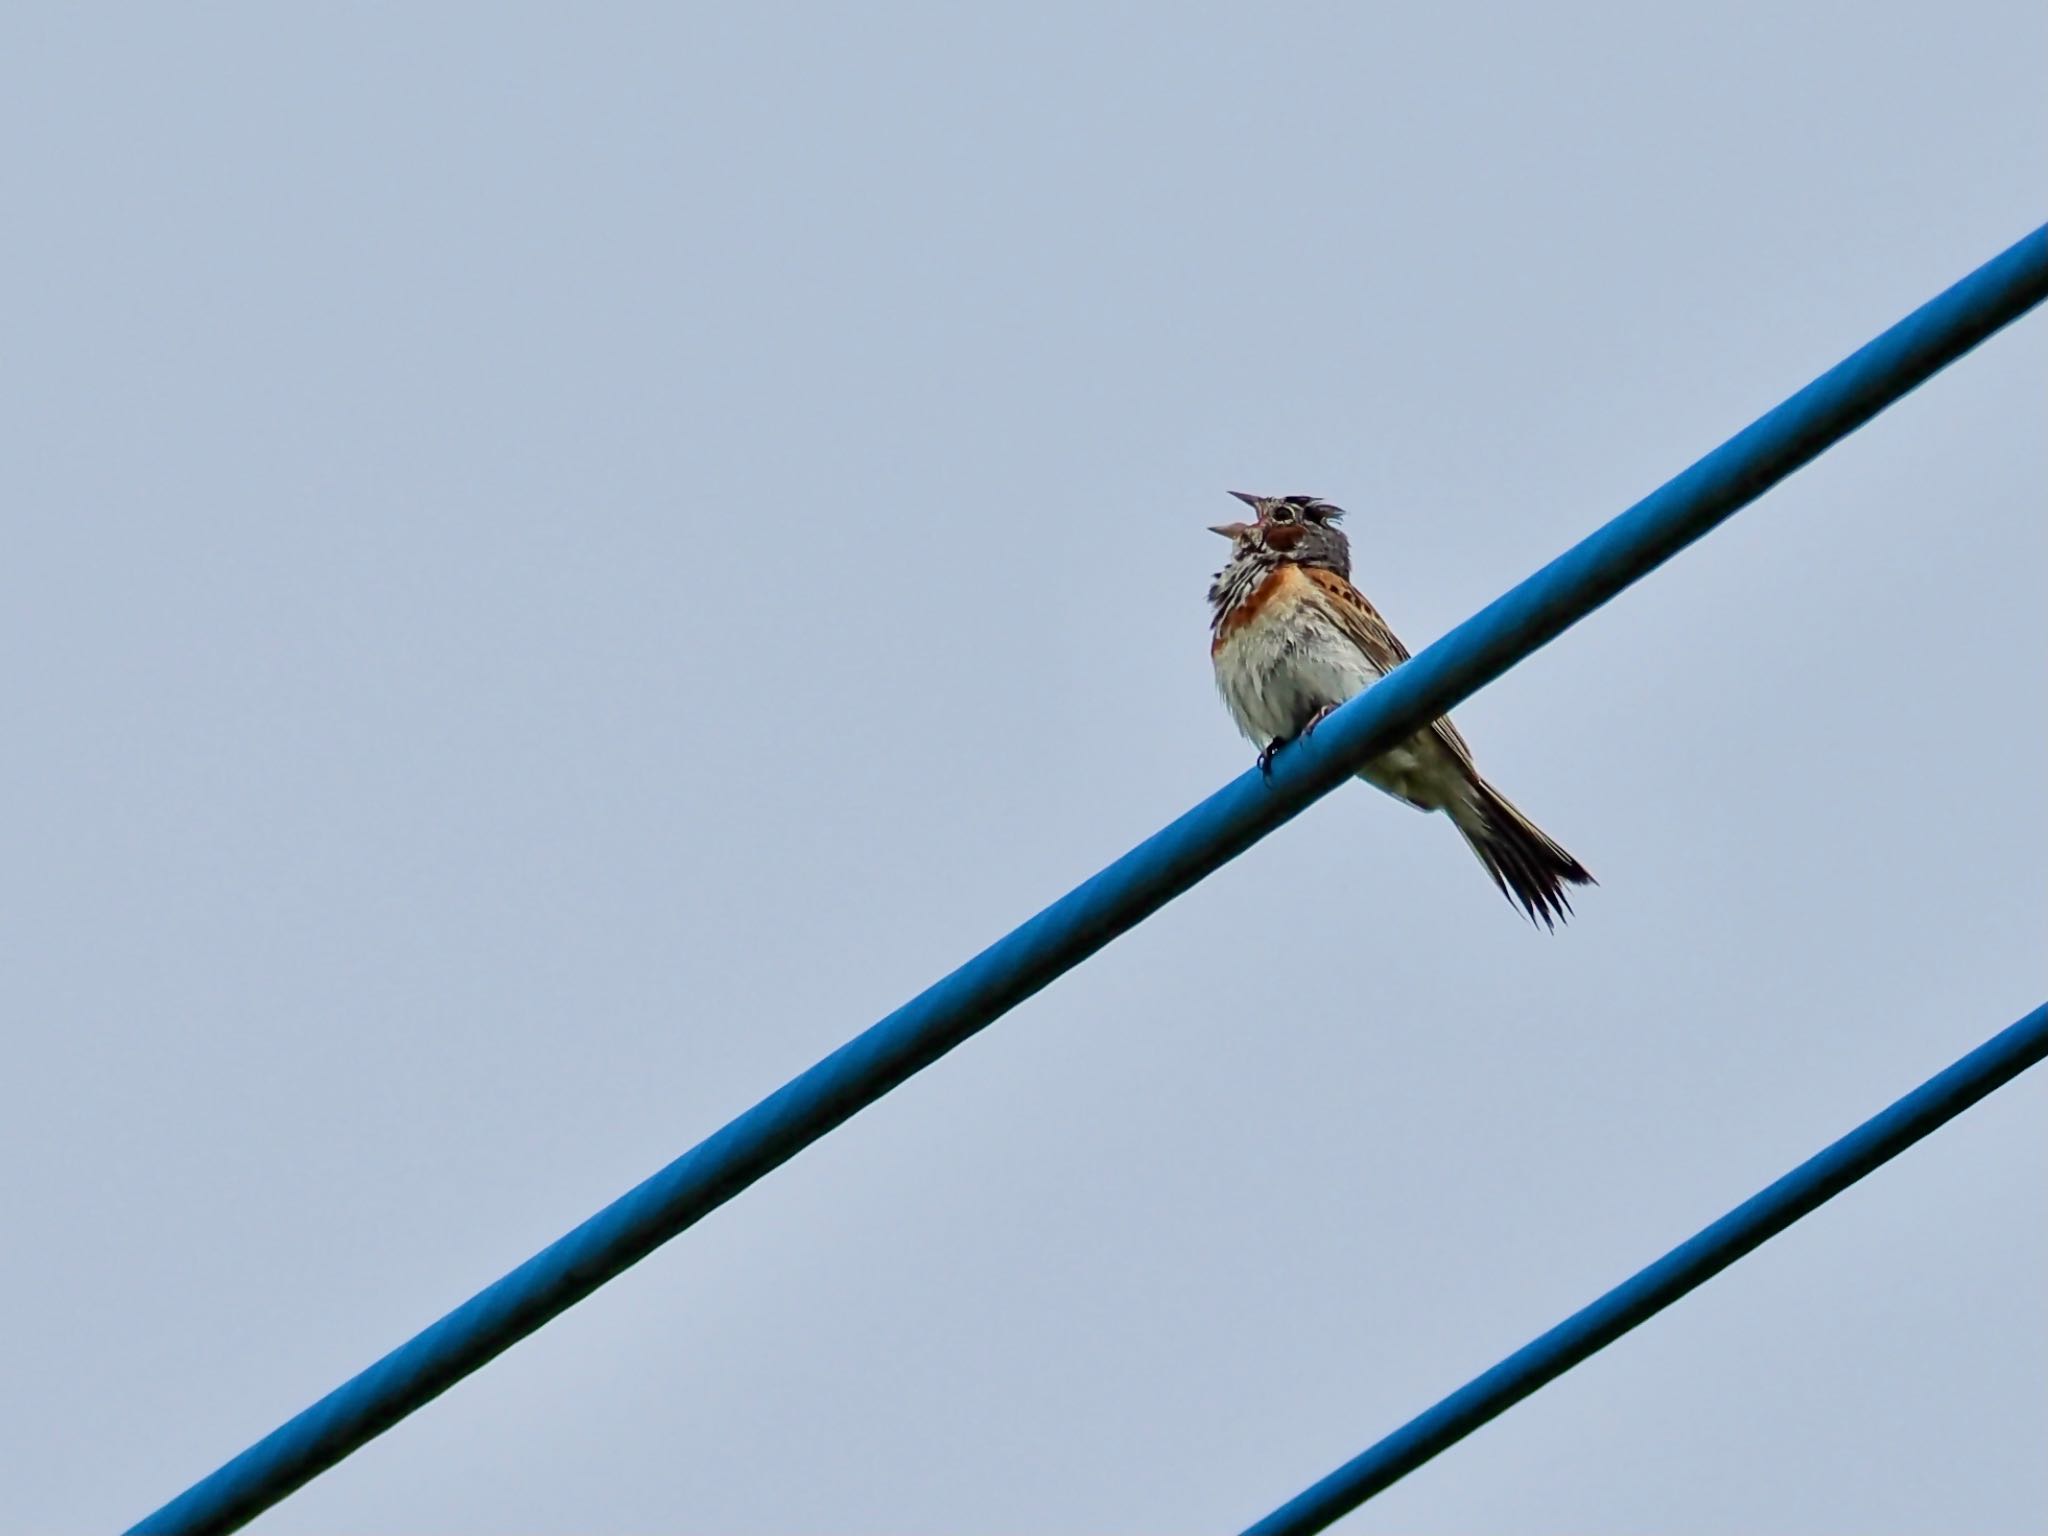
[(560, 564)]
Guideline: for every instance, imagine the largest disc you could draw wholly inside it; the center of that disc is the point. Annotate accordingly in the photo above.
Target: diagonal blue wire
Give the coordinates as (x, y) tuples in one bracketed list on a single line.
[(1691, 1264), (1116, 899)]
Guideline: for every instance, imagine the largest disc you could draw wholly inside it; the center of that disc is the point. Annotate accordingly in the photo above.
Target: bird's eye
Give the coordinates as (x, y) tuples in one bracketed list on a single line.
[(1283, 514)]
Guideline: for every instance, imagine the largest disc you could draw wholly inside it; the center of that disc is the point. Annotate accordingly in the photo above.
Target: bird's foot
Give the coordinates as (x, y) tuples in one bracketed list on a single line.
[(1318, 718), (1266, 756)]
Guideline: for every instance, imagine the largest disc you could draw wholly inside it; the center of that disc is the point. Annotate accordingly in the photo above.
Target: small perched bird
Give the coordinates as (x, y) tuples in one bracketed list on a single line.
[(1292, 639)]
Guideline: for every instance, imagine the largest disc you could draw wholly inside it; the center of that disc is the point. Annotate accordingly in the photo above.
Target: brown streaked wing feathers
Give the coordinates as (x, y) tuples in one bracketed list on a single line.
[(1362, 622)]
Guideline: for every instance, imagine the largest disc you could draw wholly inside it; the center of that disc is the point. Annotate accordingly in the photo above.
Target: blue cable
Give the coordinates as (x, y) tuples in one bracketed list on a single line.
[(1692, 1263), (1116, 899)]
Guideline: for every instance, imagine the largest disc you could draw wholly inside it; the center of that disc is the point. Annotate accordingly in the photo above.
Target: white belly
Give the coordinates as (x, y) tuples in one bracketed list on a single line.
[(1278, 670)]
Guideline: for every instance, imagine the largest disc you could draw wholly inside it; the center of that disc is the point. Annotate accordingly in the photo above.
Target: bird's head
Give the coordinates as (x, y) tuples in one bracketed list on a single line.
[(1290, 530)]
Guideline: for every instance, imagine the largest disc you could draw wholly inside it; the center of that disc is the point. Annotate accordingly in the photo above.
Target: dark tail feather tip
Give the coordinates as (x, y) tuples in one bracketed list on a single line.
[(1530, 868)]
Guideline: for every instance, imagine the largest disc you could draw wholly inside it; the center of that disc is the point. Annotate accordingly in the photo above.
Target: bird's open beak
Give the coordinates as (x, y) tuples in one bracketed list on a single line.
[(1247, 498), (1229, 530)]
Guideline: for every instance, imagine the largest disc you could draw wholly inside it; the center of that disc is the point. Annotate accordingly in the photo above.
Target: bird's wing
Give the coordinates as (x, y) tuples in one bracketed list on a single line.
[(1369, 632)]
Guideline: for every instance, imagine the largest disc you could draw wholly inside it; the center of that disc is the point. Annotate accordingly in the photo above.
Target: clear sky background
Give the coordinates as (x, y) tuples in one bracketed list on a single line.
[(561, 562)]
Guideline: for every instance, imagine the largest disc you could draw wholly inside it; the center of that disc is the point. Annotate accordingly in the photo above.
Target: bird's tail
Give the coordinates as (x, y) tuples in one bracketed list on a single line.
[(1527, 866)]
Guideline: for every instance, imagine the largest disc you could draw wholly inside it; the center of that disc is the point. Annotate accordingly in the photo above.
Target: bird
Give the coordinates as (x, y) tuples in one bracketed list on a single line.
[(1291, 639)]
